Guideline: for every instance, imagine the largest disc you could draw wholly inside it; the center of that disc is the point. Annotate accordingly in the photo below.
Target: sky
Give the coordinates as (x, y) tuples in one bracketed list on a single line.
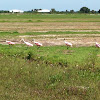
[(58, 5)]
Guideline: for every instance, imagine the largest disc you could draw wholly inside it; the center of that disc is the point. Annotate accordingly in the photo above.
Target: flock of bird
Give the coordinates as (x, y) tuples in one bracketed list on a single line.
[(27, 43), (68, 44)]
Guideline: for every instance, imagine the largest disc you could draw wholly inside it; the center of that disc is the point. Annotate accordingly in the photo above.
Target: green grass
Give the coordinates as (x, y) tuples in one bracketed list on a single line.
[(36, 22), (49, 18), (15, 33), (43, 16), (59, 33), (49, 73), (53, 54)]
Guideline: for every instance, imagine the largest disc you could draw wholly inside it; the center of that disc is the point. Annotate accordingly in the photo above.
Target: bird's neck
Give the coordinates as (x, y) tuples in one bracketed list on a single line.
[(34, 41), (23, 40)]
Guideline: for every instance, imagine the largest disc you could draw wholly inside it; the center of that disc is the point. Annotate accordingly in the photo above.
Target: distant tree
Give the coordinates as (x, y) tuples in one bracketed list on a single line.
[(71, 11), (53, 10), (84, 10), (93, 11), (62, 12), (40, 9), (99, 11), (35, 10), (67, 11), (32, 10), (4, 11)]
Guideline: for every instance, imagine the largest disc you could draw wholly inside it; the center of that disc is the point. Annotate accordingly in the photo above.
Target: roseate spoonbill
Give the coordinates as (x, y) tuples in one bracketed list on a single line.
[(10, 43), (27, 43), (37, 43), (68, 44), (97, 45)]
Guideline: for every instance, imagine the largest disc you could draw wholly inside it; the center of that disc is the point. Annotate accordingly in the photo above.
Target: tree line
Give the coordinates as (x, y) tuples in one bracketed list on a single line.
[(53, 10), (82, 10)]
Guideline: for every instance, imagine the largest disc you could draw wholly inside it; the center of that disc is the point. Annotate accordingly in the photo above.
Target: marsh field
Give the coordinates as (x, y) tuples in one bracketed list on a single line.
[(51, 72)]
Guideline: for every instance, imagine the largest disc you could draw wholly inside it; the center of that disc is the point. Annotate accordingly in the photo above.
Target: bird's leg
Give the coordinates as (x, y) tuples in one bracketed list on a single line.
[(67, 47), (27, 47), (38, 47), (9, 45)]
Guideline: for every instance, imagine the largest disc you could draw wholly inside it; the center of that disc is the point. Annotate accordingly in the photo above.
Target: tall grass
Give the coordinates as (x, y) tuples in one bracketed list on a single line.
[(42, 74), (55, 54)]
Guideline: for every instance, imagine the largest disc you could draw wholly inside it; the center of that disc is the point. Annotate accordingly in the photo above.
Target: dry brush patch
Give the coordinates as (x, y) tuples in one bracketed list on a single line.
[(50, 40), (49, 26), (75, 39)]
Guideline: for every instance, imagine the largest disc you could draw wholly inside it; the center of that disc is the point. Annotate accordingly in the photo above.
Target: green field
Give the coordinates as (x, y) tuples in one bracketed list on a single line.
[(23, 23), (49, 72)]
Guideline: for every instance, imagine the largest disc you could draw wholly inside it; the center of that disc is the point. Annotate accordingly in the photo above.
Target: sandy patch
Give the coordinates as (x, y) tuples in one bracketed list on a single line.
[(75, 39), (51, 40)]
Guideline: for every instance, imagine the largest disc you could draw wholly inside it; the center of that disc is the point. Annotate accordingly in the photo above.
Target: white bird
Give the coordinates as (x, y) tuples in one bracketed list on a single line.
[(37, 43), (27, 43), (10, 43), (97, 45), (68, 44)]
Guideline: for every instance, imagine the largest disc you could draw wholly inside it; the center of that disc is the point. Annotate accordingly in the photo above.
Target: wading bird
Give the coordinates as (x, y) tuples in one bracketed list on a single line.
[(37, 43), (27, 43), (10, 43), (68, 44), (97, 45)]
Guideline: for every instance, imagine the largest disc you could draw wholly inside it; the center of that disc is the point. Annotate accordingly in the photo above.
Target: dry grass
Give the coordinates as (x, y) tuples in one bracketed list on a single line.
[(50, 40), (75, 39), (49, 26)]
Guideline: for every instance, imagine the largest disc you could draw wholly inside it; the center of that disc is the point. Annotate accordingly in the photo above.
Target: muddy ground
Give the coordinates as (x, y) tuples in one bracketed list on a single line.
[(75, 39), (50, 40), (49, 26)]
